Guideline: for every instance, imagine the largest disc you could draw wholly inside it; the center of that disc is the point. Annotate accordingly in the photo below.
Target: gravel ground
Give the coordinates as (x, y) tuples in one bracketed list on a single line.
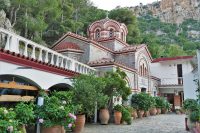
[(166, 123)]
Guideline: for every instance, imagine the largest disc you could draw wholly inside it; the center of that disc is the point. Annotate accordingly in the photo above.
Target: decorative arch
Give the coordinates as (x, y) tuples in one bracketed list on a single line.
[(14, 88), (60, 87), (143, 65)]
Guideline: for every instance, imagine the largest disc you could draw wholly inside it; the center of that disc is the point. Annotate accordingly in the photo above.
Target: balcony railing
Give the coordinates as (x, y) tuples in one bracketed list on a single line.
[(15, 43), (172, 81)]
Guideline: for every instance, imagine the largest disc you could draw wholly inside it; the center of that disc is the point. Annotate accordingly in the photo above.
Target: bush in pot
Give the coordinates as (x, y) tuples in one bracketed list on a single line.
[(153, 109), (142, 102), (88, 93), (118, 113), (166, 107), (194, 118), (190, 105), (160, 103), (126, 115), (8, 121), (57, 112), (25, 114)]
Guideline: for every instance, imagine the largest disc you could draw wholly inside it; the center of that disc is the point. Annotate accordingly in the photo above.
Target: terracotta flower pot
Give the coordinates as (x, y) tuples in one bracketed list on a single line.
[(104, 116), (140, 113), (146, 113), (79, 124), (153, 111), (134, 114), (163, 111), (118, 117), (158, 111), (54, 129)]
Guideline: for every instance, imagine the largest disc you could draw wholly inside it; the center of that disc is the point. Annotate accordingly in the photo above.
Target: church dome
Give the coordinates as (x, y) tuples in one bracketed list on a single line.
[(107, 28)]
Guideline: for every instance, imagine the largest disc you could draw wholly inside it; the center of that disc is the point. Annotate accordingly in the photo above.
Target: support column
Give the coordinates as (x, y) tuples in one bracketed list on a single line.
[(40, 55), (52, 57), (7, 46), (26, 49), (14, 44), (46, 57), (57, 61), (33, 53)]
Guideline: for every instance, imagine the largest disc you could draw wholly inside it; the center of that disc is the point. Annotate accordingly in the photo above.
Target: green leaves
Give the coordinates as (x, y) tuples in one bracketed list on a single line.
[(88, 90), (25, 113)]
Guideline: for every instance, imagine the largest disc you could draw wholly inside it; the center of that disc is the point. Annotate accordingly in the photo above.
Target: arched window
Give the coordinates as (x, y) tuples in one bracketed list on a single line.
[(111, 33), (97, 34)]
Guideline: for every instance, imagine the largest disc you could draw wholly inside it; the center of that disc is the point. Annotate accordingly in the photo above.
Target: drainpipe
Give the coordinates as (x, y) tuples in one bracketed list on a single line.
[(198, 61)]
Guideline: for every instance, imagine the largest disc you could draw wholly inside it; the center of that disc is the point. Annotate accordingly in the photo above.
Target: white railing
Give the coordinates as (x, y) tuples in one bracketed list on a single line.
[(21, 45), (172, 81)]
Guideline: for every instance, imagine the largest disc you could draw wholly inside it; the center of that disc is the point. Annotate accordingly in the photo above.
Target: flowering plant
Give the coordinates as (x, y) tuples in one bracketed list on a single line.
[(57, 110), (8, 122)]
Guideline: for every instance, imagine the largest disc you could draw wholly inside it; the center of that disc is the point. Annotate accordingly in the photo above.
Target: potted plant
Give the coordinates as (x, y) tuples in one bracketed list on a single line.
[(194, 118), (153, 109), (166, 107), (25, 114), (134, 113), (160, 103), (88, 93), (57, 112), (8, 121), (118, 113), (142, 102), (126, 115)]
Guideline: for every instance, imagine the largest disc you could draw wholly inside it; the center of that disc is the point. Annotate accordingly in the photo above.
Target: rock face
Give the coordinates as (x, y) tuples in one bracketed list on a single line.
[(171, 11), (5, 22)]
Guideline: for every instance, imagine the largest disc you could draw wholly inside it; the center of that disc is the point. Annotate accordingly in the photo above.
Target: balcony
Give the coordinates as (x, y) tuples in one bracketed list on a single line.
[(172, 81)]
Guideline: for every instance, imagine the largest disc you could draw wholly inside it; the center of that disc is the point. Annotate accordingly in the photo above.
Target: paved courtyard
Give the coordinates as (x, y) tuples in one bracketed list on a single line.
[(168, 123)]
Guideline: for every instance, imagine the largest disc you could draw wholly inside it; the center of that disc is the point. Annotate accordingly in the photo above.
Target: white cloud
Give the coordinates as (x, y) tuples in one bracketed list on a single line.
[(111, 4)]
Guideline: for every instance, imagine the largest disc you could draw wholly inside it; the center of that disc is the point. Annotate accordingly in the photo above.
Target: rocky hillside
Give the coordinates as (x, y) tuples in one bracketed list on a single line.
[(170, 11), (4, 22)]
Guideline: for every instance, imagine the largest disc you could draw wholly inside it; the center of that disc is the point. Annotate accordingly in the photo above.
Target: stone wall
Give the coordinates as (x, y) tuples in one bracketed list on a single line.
[(171, 11)]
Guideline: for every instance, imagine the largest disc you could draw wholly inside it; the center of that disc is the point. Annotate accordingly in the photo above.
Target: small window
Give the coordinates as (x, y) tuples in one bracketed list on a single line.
[(111, 33), (97, 34)]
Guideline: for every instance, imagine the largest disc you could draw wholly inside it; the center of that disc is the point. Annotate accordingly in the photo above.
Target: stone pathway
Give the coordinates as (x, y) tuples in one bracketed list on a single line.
[(165, 123)]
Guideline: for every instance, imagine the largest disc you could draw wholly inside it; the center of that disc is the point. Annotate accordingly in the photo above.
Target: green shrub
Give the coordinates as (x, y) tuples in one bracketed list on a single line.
[(126, 116), (8, 121), (118, 108), (195, 116), (25, 113), (160, 102), (190, 105), (142, 101)]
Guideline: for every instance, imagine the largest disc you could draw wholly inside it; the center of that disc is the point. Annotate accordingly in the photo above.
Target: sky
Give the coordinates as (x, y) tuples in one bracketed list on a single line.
[(111, 4)]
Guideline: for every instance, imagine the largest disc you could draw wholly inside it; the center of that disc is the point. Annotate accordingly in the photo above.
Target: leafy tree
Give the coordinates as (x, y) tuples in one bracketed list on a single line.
[(88, 90), (116, 85)]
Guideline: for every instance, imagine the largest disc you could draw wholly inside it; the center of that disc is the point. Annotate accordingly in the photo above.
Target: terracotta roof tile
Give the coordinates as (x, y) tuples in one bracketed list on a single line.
[(66, 46), (108, 61), (171, 58)]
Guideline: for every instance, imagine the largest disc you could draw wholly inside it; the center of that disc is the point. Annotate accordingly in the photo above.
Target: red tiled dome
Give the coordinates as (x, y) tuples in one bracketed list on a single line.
[(66, 46)]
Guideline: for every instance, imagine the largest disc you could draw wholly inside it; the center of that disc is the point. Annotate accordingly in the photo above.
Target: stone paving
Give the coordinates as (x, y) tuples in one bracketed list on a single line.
[(165, 123)]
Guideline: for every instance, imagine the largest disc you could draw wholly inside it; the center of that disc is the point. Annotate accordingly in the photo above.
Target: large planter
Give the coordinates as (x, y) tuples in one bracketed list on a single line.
[(153, 111), (146, 113), (118, 117), (163, 111), (54, 129), (140, 113), (79, 124), (134, 114), (158, 111), (104, 116)]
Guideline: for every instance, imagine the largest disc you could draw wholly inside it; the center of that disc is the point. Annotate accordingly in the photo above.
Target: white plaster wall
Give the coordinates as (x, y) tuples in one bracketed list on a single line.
[(44, 79), (167, 70), (189, 86)]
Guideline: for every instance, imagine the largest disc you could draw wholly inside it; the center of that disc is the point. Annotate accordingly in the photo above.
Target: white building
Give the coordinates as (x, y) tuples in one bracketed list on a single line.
[(170, 71)]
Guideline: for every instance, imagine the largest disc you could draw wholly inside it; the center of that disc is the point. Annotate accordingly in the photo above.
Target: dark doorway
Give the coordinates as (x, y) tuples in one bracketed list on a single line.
[(143, 90), (60, 87), (180, 74)]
